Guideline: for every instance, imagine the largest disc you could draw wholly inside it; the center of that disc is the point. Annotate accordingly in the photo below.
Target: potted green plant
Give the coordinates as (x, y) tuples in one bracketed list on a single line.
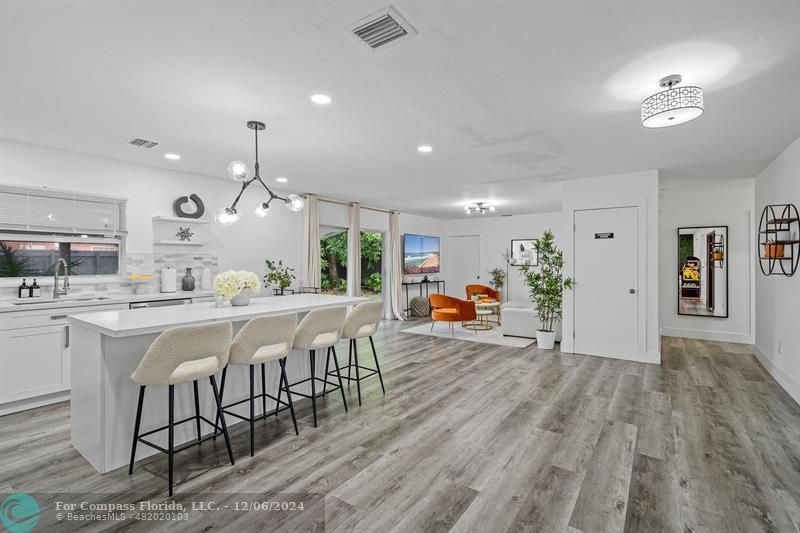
[(498, 276), (278, 274), (546, 284)]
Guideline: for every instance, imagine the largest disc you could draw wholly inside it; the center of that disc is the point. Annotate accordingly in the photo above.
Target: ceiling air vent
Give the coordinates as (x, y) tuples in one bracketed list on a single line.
[(382, 28), (142, 143)]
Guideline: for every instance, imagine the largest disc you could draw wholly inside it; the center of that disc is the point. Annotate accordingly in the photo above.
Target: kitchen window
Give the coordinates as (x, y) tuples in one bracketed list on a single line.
[(20, 258)]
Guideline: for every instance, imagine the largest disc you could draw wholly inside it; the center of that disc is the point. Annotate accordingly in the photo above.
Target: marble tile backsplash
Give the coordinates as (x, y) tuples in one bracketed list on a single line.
[(135, 263)]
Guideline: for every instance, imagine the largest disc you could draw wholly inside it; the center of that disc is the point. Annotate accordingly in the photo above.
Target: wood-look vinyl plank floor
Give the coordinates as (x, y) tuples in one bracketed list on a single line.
[(481, 438)]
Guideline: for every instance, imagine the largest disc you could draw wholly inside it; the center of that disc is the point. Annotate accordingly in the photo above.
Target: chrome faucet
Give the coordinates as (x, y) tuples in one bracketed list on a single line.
[(56, 291)]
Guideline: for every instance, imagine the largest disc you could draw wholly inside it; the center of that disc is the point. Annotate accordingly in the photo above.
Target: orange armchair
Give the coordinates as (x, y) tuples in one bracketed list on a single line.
[(450, 309), (482, 289)]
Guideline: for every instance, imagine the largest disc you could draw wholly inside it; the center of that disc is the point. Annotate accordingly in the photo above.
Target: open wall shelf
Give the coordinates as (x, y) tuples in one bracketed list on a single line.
[(779, 240)]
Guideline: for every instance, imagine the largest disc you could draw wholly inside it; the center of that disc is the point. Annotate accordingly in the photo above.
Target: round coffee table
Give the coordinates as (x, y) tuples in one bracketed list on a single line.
[(484, 310)]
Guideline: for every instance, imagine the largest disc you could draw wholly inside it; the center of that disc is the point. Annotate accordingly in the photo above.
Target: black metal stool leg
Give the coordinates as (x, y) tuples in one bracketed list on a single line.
[(358, 376), (221, 392), (285, 380), (264, 390), (252, 410), (311, 358), (349, 359), (327, 366), (171, 438), (218, 400), (339, 377), (136, 428), (197, 409), (280, 390), (377, 366)]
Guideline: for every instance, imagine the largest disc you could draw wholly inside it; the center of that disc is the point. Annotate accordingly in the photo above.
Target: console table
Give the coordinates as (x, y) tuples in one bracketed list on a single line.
[(407, 286)]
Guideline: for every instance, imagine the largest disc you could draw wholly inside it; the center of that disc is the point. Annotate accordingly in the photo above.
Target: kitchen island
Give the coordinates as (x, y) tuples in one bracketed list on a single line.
[(108, 345)]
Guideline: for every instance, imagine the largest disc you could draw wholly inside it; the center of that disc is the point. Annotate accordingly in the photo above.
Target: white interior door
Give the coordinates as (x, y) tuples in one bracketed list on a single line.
[(465, 263), (606, 283)]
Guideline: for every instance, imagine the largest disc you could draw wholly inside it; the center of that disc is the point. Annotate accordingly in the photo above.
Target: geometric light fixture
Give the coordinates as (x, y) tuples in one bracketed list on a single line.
[(478, 207), (238, 172), (676, 105)]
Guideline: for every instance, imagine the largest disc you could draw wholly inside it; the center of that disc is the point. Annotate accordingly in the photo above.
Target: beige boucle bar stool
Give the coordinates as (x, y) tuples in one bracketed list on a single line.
[(180, 355), (362, 322), (319, 329), (261, 341)]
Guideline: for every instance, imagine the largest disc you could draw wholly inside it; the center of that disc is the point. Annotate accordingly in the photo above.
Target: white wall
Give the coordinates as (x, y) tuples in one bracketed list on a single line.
[(496, 234), (150, 191), (723, 205), (638, 189), (777, 310)]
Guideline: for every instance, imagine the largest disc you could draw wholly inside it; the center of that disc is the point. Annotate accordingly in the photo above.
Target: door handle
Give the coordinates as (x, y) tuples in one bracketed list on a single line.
[(632, 291), (57, 317), (66, 336)]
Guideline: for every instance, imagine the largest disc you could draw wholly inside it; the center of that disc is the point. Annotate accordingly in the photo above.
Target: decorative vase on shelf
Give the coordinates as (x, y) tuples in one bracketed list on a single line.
[(187, 284), (241, 299), (206, 279)]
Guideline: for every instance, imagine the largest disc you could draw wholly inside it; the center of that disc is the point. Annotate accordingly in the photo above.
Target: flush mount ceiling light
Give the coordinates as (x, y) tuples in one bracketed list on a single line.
[(238, 172), (676, 105), (172, 157), (321, 99), (425, 149), (478, 207)]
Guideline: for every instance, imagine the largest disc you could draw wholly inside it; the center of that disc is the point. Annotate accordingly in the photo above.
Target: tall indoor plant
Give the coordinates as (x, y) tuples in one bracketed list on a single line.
[(546, 284)]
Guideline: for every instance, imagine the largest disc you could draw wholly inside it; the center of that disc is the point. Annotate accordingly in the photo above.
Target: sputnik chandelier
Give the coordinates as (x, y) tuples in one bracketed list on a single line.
[(238, 172)]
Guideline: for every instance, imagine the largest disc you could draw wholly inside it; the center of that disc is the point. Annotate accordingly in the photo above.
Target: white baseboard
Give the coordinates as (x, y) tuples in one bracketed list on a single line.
[(783, 379), (653, 357), (30, 403), (706, 335)]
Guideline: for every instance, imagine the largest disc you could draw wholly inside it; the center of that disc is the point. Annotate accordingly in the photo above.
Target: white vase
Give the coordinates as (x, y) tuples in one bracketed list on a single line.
[(546, 340), (241, 299), (205, 279)]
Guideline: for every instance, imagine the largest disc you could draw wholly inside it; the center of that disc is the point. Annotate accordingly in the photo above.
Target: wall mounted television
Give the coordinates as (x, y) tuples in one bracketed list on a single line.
[(421, 254)]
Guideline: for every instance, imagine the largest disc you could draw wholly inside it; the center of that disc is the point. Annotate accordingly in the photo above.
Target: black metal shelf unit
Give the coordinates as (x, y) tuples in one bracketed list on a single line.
[(779, 240)]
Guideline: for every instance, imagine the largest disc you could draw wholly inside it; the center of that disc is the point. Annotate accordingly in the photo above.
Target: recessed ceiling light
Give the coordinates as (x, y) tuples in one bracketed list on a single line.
[(172, 157), (424, 148), (281, 179), (322, 99)]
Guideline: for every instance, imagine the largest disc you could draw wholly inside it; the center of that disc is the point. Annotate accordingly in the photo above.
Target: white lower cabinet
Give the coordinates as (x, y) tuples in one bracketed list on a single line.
[(35, 356), (34, 362)]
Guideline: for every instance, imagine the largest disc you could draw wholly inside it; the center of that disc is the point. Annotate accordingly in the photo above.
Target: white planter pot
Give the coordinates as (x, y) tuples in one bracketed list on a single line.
[(546, 340), (242, 299)]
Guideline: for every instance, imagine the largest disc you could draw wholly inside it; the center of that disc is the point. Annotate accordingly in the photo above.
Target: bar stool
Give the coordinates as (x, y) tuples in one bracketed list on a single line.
[(319, 329), (260, 341), (362, 322), (181, 355)]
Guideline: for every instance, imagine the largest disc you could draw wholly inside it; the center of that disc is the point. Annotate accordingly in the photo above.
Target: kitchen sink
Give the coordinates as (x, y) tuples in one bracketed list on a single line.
[(31, 301)]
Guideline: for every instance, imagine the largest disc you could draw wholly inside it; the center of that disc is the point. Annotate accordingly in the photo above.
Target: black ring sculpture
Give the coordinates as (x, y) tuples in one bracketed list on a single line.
[(177, 206)]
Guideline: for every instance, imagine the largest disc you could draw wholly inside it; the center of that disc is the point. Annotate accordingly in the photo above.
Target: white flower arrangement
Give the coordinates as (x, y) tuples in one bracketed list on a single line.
[(232, 282)]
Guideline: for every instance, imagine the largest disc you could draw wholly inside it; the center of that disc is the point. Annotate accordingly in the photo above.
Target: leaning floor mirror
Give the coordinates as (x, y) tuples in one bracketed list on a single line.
[(703, 271)]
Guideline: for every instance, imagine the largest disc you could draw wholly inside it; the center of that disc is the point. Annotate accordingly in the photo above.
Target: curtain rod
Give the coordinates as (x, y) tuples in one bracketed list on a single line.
[(342, 202)]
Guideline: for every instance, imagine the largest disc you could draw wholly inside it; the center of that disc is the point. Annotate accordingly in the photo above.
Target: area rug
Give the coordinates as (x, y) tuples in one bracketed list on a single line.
[(492, 336)]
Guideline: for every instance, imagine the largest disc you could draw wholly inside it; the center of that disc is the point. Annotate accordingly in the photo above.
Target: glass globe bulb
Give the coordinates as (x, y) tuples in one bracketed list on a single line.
[(237, 171), (262, 209), (226, 216), (295, 203)]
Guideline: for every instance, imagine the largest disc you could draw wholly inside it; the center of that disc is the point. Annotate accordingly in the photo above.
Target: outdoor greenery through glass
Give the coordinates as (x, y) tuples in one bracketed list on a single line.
[(333, 260), (29, 258)]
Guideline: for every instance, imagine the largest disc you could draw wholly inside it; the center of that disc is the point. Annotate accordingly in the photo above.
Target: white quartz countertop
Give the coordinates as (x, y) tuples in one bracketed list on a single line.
[(69, 301), (125, 323)]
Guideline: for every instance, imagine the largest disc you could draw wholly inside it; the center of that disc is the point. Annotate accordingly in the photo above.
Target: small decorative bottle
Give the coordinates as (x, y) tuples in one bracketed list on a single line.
[(187, 284), (36, 291), (23, 290)]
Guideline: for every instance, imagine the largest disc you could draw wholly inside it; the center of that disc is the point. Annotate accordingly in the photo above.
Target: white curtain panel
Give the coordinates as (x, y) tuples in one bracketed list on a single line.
[(354, 252), (311, 264), (394, 270)]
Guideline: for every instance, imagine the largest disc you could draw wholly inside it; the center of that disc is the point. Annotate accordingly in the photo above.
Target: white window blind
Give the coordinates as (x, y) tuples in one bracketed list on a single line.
[(40, 209)]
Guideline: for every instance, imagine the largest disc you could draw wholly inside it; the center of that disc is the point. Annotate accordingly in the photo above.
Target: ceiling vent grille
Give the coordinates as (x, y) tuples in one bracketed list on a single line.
[(142, 143), (381, 28)]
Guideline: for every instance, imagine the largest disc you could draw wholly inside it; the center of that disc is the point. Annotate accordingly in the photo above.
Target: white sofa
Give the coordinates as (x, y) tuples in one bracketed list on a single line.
[(519, 319)]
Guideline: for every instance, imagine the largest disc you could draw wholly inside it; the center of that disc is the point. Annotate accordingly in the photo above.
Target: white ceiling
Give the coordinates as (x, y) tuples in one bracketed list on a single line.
[(514, 97)]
